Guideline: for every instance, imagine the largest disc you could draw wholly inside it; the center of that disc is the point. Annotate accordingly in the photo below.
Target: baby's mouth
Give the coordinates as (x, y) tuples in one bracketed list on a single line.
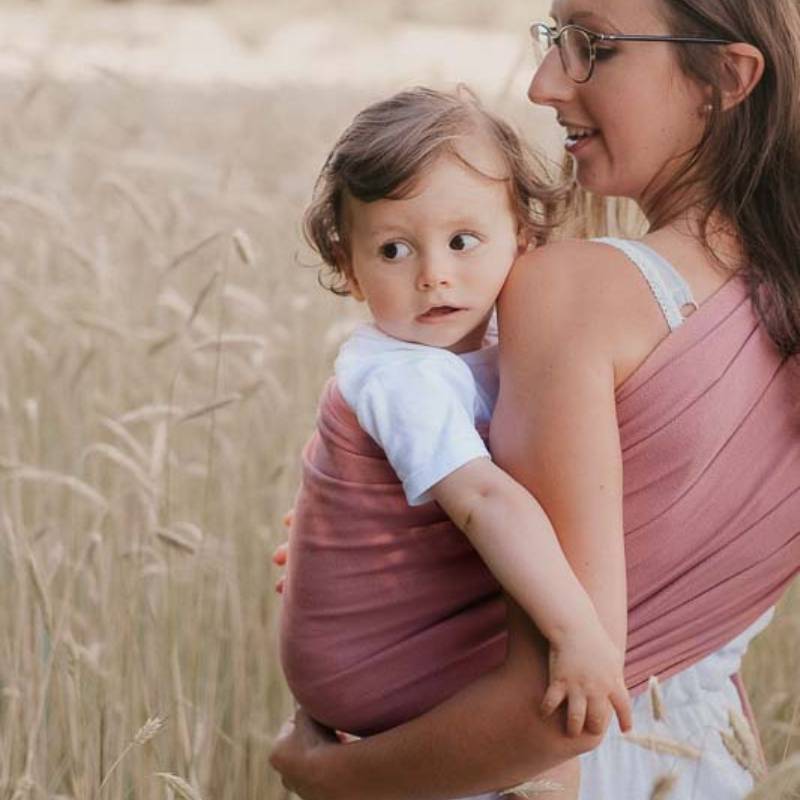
[(439, 311)]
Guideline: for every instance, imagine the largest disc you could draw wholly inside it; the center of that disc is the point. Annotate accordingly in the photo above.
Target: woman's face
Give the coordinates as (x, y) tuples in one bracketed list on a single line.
[(632, 125)]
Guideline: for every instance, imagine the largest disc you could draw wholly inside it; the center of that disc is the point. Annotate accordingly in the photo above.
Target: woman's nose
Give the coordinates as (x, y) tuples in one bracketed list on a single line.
[(550, 85)]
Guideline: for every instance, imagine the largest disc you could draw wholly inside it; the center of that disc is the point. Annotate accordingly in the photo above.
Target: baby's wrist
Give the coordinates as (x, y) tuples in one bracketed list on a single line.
[(580, 627)]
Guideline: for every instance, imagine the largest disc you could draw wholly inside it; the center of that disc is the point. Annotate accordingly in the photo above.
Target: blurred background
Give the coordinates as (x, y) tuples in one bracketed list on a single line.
[(164, 341)]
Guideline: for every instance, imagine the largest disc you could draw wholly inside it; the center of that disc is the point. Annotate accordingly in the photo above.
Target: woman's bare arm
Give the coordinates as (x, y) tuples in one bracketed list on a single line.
[(555, 426)]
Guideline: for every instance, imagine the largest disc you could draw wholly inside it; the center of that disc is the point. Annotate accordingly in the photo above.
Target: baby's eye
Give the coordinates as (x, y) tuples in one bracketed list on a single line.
[(464, 241), (394, 251)]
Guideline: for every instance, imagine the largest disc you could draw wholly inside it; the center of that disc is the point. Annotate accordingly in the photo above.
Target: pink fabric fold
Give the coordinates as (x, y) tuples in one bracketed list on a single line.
[(710, 433), (388, 609)]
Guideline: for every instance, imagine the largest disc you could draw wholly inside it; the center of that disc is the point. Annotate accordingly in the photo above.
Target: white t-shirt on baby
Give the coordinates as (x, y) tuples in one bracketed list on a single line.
[(419, 403)]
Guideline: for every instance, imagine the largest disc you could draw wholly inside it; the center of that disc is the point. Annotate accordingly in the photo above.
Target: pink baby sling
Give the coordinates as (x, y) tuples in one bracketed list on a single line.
[(388, 610)]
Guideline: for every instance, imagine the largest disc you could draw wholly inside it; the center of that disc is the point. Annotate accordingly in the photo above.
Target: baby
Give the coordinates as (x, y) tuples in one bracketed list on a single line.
[(420, 210)]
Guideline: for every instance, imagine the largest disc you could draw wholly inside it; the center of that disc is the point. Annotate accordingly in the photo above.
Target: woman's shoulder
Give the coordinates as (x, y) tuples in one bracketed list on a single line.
[(586, 296), (576, 276), (577, 262)]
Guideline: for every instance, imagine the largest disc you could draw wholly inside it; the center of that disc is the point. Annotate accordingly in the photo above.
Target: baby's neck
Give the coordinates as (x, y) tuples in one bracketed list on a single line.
[(475, 340)]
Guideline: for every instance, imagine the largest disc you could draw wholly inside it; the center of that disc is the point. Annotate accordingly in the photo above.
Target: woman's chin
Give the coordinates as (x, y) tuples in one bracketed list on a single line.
[(589, 179), (601, 185)]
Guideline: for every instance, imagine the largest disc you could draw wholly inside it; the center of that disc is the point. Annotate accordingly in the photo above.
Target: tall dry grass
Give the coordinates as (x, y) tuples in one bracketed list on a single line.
[(162, 351), (162, 348)]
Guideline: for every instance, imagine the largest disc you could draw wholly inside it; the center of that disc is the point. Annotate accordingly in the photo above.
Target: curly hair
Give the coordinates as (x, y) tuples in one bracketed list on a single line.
[(390, 144)]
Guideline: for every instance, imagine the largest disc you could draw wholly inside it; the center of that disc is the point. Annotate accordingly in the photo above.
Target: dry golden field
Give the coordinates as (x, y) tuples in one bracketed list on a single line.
[(163, 344)]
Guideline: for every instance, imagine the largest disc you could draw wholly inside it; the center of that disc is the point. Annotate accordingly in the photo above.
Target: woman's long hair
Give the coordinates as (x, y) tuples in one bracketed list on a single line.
[(747, 165), (749, 159)]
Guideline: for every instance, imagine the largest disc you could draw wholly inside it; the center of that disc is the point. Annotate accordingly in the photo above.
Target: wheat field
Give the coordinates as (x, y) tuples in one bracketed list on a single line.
[(164, 342)]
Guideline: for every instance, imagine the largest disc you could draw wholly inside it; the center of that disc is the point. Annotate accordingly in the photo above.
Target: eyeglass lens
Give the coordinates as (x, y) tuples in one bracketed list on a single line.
[(576, 54), (575, 50)]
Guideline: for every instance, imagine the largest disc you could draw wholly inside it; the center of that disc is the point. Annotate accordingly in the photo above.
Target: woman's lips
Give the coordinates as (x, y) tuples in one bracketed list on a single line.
[(574, 144)]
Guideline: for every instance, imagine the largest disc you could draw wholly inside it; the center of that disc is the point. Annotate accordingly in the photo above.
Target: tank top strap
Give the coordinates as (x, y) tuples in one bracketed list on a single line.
[(668, 286)]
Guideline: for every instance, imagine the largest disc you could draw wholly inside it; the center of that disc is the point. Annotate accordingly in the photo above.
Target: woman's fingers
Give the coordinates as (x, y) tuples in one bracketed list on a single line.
[(553, 698), (576, 713), (292, 750), (282, 747), (311, 733)]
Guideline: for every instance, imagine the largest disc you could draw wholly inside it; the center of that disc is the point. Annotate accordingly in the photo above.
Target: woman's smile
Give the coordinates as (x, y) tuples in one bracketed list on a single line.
[(578, 136)]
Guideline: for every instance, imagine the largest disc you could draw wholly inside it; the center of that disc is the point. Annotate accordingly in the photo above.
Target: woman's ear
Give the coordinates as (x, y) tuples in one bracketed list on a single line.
[(742, 68)]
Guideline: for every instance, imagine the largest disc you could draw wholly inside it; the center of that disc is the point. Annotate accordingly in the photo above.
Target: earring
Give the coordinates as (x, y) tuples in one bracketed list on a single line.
[(704, 110)]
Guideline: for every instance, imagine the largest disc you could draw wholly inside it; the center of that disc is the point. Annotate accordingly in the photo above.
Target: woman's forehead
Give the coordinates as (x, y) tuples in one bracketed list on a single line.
[(620, 15)]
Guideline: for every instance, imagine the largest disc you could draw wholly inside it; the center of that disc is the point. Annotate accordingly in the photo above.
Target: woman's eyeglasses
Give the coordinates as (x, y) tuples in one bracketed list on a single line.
[(578, 48)]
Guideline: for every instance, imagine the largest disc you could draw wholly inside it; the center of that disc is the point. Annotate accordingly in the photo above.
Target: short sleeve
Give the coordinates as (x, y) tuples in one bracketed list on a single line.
[(421, 413)]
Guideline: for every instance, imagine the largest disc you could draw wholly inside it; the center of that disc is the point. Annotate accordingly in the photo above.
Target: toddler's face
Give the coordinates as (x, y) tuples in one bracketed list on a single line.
[(430, 265)]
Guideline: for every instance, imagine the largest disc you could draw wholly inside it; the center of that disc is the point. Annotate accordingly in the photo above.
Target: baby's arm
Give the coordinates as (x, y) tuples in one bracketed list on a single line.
[(513, 535)]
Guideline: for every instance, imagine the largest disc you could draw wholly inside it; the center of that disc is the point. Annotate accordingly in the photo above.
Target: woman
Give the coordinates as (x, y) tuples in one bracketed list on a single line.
[(704, 135)]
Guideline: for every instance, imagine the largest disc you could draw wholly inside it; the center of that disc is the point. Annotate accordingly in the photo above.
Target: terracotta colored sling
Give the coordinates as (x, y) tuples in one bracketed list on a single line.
[(388, 609)]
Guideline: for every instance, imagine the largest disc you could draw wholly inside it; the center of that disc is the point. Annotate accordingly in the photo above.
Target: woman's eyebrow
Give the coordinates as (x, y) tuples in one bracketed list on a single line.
[(591, 16), (584, 16)]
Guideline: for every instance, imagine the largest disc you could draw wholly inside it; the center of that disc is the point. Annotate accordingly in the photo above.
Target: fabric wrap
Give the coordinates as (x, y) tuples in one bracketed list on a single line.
[(388, 610), (710, 433)]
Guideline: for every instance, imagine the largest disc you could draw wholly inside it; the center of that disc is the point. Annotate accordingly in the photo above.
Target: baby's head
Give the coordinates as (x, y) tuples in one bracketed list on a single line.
[(420, 210)]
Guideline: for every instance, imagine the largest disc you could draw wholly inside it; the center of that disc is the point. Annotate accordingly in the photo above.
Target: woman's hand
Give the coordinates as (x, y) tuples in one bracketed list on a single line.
[(299, 741)]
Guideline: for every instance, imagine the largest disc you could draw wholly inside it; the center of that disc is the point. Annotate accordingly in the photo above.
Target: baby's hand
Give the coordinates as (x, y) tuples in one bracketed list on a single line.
[(586, 672), (281, 553)]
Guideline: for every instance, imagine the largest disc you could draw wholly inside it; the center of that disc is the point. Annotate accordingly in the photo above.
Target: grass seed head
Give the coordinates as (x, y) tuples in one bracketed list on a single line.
[(179, 786), (740, 742), (664, 786), (150, 729), (656, 699), (662, 744)]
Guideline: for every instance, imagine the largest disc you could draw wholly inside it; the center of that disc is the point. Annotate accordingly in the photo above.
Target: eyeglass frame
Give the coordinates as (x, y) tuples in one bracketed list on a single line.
[(554, 34)]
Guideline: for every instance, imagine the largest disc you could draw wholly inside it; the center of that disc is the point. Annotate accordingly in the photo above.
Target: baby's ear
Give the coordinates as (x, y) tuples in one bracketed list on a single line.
[(353, 287), (344, 267)]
